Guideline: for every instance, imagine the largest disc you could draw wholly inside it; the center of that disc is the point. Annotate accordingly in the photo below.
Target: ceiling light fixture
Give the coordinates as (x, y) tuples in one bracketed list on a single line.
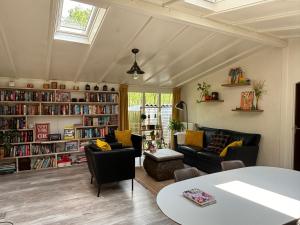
[(135, 70)]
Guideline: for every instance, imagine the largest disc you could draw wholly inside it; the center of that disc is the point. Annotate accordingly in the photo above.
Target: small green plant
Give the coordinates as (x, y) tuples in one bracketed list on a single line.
[(258, 88), (5, 139), (204, 90), (175, 125)]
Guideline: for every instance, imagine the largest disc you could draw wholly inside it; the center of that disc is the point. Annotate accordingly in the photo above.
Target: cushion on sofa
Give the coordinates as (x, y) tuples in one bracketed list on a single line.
[(208, 133), (189, 150), (218, 143), (232, 144), (247, 138), (194, 138)]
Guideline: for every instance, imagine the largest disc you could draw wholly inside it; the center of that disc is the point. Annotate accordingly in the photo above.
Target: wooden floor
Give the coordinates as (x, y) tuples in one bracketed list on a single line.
[(65, 196)]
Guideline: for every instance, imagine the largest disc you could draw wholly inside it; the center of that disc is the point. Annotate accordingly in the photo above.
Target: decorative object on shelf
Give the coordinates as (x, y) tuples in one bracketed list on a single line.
[(175, 126), (75, 87), (62, 86), (152, 135), (96, 88), (46, 86), (180, 106), (63, 96), (81, 100), (30, 85), (236, 76), (135, 70), (143, 117), (74, 99), (41, 131), (105, 88), (69, 133), (258, 88), (247, 100), (87, 87), (214, 95), (54, 137), (54, 85), (112, 89), (204, 91), (11, 84)]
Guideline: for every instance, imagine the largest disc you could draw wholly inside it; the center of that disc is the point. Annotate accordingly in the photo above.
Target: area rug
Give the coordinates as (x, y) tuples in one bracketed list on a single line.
[(148, 182)]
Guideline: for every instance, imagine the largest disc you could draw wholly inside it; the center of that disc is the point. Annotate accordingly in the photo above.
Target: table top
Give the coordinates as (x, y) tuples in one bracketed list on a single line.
[(246, 196), (164, 154)]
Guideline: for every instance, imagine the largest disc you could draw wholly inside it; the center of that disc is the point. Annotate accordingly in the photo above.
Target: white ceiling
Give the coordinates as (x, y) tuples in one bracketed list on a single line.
[(178, 41)]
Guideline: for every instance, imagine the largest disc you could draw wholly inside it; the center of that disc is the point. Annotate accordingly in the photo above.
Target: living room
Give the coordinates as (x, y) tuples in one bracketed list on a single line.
[(139, 106)]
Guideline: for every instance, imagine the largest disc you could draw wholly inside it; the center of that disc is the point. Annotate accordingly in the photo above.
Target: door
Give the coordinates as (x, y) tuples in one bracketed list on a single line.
[(297, 130)]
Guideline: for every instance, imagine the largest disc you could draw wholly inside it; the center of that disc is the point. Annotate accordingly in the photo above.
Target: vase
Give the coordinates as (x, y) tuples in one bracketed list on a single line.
[(256, 105)]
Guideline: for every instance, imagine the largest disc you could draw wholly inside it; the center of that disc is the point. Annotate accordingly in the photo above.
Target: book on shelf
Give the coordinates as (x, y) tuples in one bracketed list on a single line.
[(12, 123), (199, 197), (40, 149), (40, 163), (55, 109), (101, 97), (26, 95), (20, 150), (19, 109)]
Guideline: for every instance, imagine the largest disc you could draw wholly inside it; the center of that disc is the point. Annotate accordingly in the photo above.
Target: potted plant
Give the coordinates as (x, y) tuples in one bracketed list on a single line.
[(175, 126), (5, 142), (152, 135), (258, 88), (204, 91)]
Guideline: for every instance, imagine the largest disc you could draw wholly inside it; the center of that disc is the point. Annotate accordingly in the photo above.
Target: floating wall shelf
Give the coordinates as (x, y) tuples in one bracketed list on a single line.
[(208, 101), (236, 85), (253, 110)]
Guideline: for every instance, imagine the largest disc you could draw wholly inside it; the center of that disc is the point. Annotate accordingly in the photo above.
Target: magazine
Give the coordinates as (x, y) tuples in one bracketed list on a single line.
[(199, 197)]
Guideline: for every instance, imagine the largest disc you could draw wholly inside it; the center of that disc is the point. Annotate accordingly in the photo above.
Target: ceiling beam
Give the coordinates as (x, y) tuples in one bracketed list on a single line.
[(53, 15), (125, 49), (186, 53), (169, 2), (269, 17), (280, 29), (200, 22), (88, 52), (164, 46), (206, 59), (221, 65), (7, 49)]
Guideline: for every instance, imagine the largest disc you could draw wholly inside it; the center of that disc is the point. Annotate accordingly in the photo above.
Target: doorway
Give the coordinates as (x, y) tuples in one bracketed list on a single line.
[(297, 129)]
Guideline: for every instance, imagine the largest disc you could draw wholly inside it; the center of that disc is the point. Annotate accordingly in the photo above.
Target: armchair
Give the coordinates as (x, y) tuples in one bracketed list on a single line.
[(110, 166)]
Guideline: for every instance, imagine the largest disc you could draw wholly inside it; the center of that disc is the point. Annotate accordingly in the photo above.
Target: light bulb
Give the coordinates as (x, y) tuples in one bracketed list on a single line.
[(135, 76)]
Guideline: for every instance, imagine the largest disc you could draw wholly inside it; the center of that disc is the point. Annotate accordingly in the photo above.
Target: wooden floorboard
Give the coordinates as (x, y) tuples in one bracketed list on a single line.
[(65, 196)]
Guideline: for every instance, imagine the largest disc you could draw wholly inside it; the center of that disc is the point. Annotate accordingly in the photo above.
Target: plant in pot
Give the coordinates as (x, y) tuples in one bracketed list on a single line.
[(175, 126), (204, 91), (258, 88), (5, 142), (152, 135)]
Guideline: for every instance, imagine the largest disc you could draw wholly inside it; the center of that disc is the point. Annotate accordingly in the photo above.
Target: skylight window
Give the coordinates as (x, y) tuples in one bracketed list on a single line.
[(78, 21)]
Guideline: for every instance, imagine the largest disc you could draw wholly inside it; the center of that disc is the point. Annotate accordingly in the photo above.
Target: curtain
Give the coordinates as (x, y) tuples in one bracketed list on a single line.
[(176, 99), (124, 124)]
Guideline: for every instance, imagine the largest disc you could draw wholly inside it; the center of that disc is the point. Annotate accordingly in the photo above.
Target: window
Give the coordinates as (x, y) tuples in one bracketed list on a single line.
[(135, 101), (140, 99), (78, 22)]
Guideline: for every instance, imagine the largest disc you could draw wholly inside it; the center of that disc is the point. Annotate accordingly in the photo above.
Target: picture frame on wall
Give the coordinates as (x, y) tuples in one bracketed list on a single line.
[(42, 131), (247, 98)]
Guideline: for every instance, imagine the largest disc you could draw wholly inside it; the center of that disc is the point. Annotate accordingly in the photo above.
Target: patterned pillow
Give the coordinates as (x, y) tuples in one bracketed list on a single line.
[(218, 143)]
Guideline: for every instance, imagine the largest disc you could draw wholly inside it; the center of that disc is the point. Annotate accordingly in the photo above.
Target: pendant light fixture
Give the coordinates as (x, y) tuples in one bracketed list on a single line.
[(135, 70)]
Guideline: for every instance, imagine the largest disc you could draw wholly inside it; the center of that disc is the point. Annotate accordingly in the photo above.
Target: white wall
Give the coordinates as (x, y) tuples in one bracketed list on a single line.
[(264, 65), (57, 124)]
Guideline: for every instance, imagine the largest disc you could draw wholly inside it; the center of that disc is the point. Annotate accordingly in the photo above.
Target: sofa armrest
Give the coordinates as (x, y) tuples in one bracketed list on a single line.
[(247, 154), (179, 139), (137, 144)]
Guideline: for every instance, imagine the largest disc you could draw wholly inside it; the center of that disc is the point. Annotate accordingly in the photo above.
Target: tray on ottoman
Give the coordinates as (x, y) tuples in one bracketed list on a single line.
[(161, 164)]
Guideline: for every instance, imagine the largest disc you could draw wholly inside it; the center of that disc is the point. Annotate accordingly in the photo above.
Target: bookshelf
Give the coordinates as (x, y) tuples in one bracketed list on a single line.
[(98, 112)]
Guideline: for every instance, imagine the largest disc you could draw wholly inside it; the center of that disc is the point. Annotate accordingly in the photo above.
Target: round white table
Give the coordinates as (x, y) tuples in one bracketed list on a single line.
[(246, 196)]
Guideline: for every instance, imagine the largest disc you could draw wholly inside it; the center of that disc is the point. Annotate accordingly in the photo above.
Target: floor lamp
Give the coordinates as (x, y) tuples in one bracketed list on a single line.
[(180, 106)]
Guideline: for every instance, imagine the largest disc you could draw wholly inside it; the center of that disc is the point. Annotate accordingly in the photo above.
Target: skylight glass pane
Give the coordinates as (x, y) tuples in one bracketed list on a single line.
[(75, 16)]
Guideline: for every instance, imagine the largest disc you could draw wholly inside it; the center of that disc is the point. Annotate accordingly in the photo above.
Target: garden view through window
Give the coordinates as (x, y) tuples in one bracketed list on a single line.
[(150, 104)]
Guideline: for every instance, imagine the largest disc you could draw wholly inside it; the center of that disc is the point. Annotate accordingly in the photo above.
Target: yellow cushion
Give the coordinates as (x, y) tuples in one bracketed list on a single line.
[(124, 137), (103, 145), (194, 138), (233, 144)]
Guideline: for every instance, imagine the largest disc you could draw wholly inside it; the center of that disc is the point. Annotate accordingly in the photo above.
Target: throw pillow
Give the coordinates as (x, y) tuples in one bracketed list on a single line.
[(233, 144), (218, 143), (194, 138), (104, 146), (124, 137)]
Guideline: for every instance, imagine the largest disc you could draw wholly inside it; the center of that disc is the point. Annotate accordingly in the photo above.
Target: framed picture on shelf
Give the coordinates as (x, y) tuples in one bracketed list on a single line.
[(69, 133), (41, 131), (71, 146), (62, 96), (247, 98)]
